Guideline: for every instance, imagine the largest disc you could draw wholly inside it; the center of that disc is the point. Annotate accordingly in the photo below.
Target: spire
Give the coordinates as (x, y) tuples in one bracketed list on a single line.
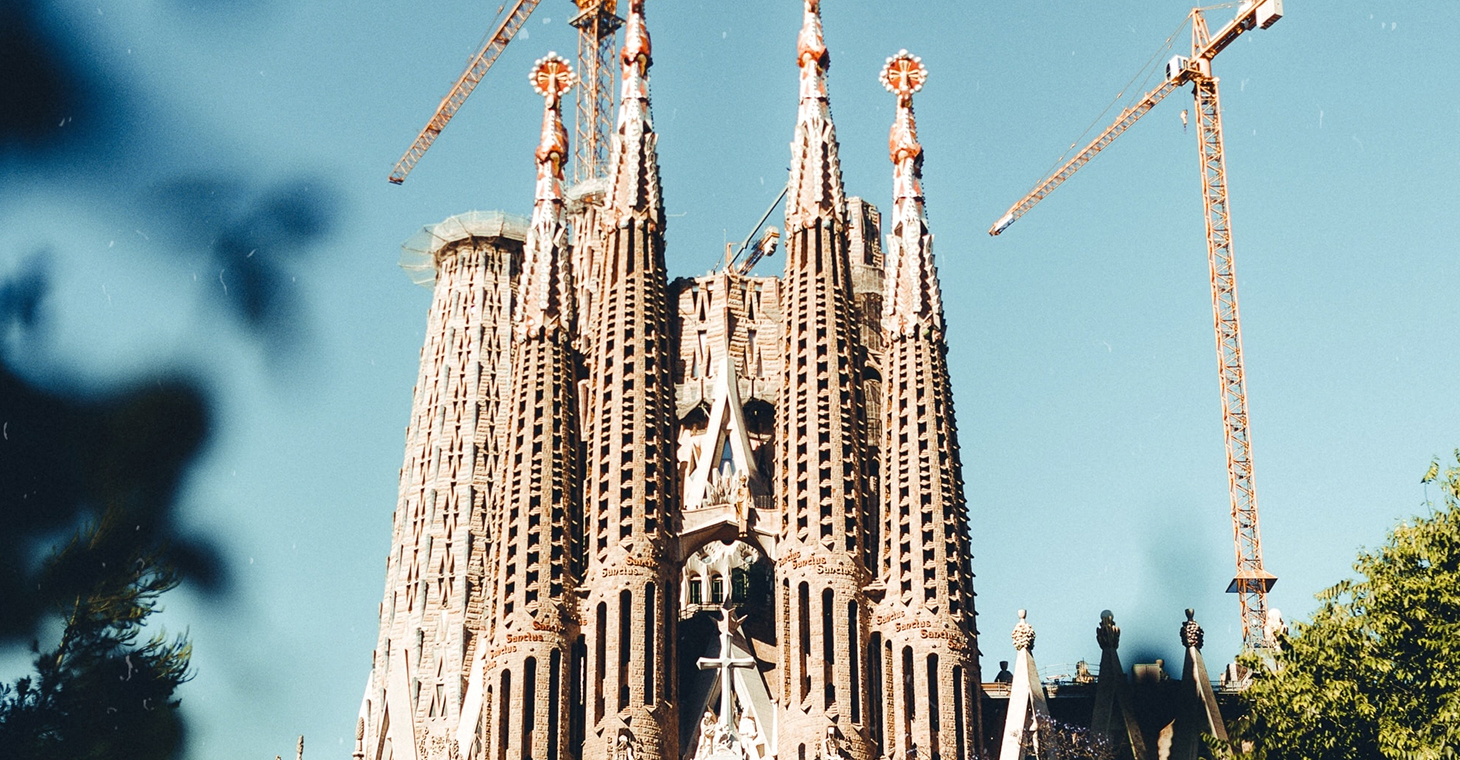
[(912, 285), (629, 500), (816, 172), (545, 290), (634, 164)]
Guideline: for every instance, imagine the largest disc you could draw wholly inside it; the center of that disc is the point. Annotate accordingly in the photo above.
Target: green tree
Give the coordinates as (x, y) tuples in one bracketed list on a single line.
[(1376, 672), (101, 693)]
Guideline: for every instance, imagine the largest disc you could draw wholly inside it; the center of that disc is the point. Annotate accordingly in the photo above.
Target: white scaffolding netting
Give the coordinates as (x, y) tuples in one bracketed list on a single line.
[(418, 254)]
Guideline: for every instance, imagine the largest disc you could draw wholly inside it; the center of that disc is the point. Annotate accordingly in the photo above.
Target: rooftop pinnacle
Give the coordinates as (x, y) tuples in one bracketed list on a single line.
[(912, 288), (816, 174), (633, 169), (545, 289)]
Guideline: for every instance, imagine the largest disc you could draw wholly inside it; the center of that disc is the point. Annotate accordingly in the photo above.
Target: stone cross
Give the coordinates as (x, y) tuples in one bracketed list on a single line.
[(726, 663)]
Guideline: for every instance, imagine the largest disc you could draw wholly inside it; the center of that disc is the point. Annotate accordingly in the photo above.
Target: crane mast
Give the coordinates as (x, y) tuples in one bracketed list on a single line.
[(1251, 581), (596, 23)]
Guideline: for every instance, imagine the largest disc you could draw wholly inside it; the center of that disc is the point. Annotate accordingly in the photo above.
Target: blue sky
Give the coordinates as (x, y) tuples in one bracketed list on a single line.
[(1081, 349)]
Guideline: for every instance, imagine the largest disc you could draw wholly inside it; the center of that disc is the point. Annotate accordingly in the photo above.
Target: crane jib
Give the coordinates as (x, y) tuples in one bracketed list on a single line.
[(476, 68)]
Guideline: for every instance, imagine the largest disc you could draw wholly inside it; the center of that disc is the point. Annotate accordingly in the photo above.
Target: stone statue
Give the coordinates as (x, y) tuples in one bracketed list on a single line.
[(831, 746), (1004, 675), (750, 738), (625, 748), (706, 746)]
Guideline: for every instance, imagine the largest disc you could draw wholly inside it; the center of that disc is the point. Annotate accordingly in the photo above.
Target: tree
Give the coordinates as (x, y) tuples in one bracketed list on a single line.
[(1376, 672), (101, 693)]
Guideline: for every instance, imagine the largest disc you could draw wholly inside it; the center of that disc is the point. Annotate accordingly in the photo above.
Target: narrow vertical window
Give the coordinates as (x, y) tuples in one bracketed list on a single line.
[(650, 600), (804, 618), (529, 705), (874, 687), (828, 648), (504, 717), (934, 719), (853, 642), (625, 639), (958, 717), (555, 668), (909, 699), (576, 690), (600, 657)]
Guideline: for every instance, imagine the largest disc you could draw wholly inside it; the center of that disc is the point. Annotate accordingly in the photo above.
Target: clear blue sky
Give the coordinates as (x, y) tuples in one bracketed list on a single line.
[(1081, 349)]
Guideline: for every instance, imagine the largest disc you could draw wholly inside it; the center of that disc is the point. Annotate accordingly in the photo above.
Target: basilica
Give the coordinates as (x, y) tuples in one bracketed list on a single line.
[(718, 517)]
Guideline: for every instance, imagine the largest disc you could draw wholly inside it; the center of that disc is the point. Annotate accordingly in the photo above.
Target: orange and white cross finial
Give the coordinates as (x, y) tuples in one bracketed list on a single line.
[(904, 75), (551, 77)]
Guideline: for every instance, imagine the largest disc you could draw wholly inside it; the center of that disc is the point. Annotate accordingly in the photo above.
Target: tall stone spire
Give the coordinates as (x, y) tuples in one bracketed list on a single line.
[(630, 498), (533, 588), (816, 170), (822, 567), (634, 160), (927, 613)]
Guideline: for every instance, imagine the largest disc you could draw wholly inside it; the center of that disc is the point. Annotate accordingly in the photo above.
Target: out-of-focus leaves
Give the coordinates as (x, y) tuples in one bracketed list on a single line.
[(252, 238), (68, 455)]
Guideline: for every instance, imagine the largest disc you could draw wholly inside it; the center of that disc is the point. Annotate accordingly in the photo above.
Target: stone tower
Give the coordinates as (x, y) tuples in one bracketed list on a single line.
[(629, 495), (822, 488), (926, 618), (714, 518)]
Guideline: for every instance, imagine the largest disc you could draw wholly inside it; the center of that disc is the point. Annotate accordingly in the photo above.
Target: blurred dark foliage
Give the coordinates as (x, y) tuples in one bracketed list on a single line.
[(51, 96), (100, 693), (68, 456), (251, 237)]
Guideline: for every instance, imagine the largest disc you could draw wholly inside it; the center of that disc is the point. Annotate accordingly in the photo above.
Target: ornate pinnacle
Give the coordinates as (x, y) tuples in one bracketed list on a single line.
[(636, 53), (904, 75), (1023, 634), (912, 294), (1108, 634), (551, 77), (545, 284), (1191, 633), (815, 187), (633, 170), (810, 44)]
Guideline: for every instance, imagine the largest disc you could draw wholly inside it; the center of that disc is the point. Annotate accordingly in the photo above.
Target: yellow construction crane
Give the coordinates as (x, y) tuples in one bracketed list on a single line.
[(1251, 582), (596, 24)]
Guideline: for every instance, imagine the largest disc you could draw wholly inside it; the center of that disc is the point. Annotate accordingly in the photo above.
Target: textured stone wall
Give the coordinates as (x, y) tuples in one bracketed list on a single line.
[(432, 612)]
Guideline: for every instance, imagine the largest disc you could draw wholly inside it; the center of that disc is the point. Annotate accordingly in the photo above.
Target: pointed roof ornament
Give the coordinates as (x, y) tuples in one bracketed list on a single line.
[(545, 290), (816, 175), (912, 294), (1028, 710), (633, 170)]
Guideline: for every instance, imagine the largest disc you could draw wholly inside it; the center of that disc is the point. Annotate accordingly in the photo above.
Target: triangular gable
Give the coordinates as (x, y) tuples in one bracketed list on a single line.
[(724, 436)]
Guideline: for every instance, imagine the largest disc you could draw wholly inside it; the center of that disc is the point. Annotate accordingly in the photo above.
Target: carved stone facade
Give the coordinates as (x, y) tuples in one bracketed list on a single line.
[(719, 518)]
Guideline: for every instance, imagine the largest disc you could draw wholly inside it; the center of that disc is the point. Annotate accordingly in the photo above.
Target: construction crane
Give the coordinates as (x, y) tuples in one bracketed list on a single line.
[(596, 24), (1251, 582)]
